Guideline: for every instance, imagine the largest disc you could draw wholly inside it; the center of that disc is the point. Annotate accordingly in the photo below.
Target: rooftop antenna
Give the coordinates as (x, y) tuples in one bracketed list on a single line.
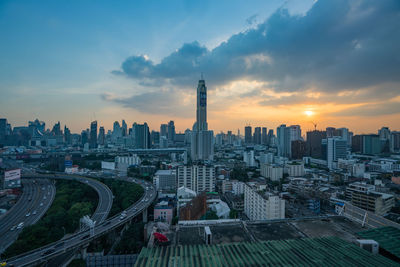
[(315, 125)]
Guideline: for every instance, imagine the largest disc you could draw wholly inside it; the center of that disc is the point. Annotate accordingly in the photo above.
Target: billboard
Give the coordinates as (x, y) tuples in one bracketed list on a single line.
[(68, 163), (12, 178)]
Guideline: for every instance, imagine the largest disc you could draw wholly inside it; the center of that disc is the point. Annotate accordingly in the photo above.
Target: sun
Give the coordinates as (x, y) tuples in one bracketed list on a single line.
[(309, 113)]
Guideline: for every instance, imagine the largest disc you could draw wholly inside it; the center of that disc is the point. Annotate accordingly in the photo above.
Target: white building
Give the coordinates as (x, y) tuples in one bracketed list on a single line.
[(199, 178), (128, 160), (271, 171), (295, 169), (165, 179), (260, 205), (335, 149), (237, 187), (248, 158)]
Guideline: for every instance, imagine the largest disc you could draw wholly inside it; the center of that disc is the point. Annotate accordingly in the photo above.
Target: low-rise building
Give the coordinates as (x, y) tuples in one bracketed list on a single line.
[(165, 179), (364, 196), (164, 211), (272, 171), (262, 205), (295, 169)]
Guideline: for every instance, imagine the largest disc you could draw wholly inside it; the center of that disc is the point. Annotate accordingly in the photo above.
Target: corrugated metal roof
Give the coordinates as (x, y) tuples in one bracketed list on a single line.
[(388, 238), (326, 251)]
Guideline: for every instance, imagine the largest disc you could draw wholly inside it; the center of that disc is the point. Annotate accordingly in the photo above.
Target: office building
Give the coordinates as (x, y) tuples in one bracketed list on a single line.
[(165, 180), (199, 178), (141, 136), (248, 135), (295, 133), (264, 136), (314, 143), (335, 148), (93, 135), (202, 143), (284, 141), (171, 132), (371, 144), (102, 136), (261, 205), (257, 135)]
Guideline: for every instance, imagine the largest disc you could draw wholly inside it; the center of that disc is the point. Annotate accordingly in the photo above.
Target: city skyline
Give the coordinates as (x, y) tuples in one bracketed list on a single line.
[(268, 64)]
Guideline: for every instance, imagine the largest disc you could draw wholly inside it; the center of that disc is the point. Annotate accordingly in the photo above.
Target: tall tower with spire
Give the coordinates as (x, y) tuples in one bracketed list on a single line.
[(201, 112), (202, 147)]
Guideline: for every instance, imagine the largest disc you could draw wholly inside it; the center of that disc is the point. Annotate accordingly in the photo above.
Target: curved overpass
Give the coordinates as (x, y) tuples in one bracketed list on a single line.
[(82, 238), (36, 198)]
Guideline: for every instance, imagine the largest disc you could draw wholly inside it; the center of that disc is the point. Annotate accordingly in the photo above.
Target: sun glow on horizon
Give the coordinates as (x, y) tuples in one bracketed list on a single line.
[(309, 113)]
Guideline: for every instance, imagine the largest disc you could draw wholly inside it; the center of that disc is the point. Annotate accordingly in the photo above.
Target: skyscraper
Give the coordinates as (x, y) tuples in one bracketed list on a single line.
[(335, 149), (264, 136), (284, 141), (257, 135), (314, 139), (93, 135), (248, 135), (202, 147), (102, 136), (171, 132), (141, 135)]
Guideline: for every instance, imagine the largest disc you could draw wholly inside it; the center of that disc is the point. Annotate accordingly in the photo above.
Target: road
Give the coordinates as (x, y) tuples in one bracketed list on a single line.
[(80, 239), (37, 196)]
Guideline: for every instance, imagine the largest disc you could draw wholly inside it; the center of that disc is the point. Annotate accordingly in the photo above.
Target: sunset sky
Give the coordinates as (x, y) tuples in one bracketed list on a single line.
[(335, 63)]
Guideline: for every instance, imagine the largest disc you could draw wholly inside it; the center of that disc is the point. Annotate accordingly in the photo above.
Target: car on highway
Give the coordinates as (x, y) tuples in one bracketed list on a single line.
[(123, 215), (20, 225), (34, 212), (28, 214), (41, 204), (13, 228)]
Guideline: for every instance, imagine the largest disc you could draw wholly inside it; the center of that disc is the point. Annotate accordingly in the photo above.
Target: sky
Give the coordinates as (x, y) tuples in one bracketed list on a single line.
[(265, 63)]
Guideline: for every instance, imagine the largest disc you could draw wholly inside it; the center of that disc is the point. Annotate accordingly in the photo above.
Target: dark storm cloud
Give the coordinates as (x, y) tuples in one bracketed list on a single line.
[(337, 45)]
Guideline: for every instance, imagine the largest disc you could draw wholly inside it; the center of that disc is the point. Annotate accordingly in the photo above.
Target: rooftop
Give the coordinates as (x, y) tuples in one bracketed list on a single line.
[(327, 251), (387, 237)]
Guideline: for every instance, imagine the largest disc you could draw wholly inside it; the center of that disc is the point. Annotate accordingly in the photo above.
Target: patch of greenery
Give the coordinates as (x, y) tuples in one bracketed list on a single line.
[(125, 194), (132, 240), (73, 200)]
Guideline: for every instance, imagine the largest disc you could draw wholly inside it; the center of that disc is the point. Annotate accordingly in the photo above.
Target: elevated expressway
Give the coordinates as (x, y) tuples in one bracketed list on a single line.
[(81, 239), (36, 198)]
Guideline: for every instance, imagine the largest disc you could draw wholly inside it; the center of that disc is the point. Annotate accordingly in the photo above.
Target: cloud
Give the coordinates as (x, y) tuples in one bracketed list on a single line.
[(336, 45), (343, 51)]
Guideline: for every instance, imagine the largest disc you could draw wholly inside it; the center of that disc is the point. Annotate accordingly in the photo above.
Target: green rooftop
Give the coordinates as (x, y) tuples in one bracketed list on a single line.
[(388, 238), (325, 251)]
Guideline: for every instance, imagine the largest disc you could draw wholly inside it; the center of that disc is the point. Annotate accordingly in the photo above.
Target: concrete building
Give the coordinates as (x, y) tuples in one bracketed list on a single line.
[(165, 179), (261, 205), (199, 178), (202, 140), (284, 141), (336, 148), (364, 196), (272, 171), (248, 135), (93, 135), (163, 212), (295, 169)]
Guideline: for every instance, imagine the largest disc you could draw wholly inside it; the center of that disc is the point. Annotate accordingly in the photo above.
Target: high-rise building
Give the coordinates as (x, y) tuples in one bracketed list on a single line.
[(335, 149), (93, 135), (257, 135), (270, 136), (56, 129), (384, 133), (85, 137), (264, 136), (202, 146), (67, 135), (155, 137), (102, 136), (164, 130), (313, 143), (330, 132), (371, 144), (124, 128), (248, 135), (295, 132), (171, 132), (284, 141), (141, 135), (3, 130)]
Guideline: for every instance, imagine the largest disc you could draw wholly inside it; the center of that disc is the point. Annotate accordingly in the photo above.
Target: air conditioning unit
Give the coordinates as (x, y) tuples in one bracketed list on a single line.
[(369, 244)]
